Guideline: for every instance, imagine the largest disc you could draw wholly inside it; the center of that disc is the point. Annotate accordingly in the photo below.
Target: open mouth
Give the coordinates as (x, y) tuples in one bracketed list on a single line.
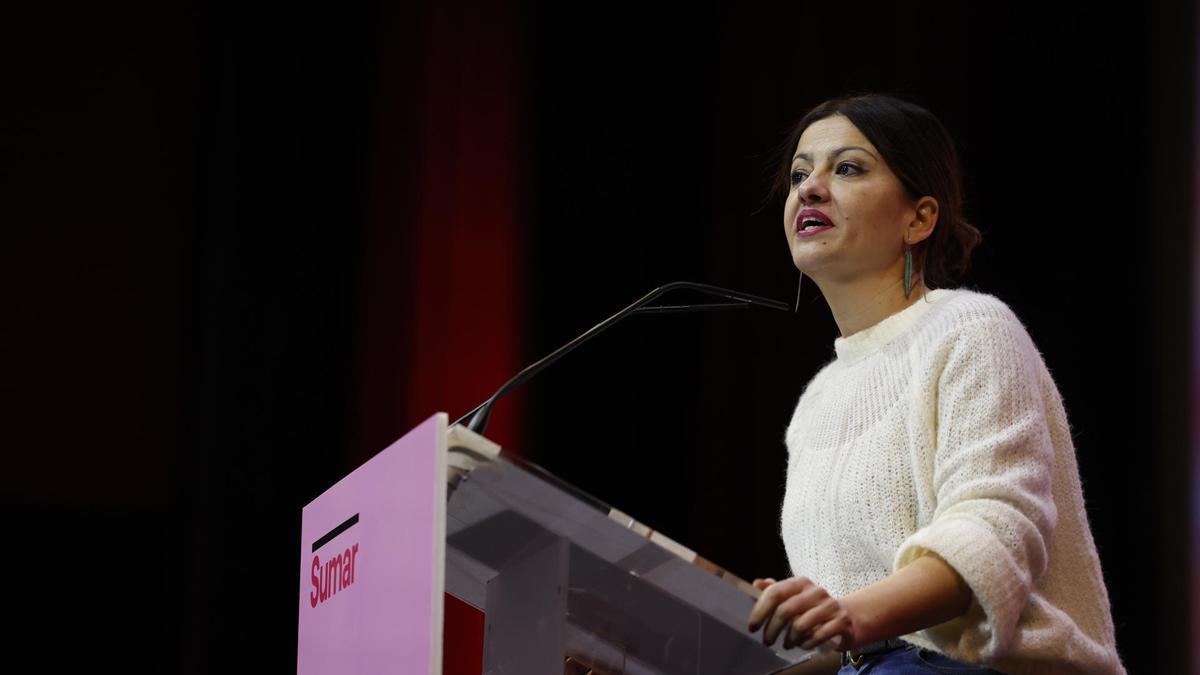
[(810, 224), (811, 221)]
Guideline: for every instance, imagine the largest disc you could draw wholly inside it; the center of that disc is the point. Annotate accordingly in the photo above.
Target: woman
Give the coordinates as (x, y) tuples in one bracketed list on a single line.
[(932, 491)]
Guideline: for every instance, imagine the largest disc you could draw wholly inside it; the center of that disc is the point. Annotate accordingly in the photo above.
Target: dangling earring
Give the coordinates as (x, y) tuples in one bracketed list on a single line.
[(907, 271), (799, 284)]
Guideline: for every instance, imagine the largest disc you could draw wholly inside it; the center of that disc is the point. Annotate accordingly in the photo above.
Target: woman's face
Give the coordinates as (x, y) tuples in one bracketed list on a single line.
[(846, 212)]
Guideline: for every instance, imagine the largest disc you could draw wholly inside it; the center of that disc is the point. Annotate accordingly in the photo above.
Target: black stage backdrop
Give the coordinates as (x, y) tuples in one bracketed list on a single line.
[(248, 244)]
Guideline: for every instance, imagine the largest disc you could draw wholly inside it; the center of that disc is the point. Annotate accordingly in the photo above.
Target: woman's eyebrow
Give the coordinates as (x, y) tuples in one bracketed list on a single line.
[(847, 148)]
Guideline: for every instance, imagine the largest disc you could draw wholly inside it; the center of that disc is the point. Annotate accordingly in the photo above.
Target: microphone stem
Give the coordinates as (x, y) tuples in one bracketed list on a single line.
[(479, 418)]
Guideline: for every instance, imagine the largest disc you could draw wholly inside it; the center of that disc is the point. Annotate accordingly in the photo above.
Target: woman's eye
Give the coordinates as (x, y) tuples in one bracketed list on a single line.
[(798, 177), (848, 169)]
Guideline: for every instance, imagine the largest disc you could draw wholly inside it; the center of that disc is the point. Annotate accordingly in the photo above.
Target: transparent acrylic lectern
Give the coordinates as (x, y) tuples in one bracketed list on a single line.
[(570, 585)]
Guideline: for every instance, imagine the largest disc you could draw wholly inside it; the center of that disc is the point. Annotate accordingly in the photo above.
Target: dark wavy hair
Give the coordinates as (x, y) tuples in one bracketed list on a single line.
[(921, 154)]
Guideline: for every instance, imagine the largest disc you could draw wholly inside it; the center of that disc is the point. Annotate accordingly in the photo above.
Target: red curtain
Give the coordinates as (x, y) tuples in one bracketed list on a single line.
[(442, 284)]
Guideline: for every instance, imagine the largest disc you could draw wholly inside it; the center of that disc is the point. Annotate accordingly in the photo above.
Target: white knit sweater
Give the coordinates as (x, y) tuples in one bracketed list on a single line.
[(939, 429)]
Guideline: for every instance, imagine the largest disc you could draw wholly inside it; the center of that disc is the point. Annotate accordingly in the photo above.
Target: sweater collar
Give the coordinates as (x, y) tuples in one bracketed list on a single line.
[(870, 340)]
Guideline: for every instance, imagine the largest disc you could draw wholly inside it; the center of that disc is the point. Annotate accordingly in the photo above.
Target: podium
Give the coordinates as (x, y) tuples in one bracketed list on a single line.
[(567, 583)]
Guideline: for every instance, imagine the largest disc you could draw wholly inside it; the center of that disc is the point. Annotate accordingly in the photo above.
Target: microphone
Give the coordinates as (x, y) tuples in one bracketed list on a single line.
[(479, 415)]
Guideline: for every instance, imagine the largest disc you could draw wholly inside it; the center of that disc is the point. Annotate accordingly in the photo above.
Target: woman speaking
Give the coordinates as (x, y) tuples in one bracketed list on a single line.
[(933, 513)]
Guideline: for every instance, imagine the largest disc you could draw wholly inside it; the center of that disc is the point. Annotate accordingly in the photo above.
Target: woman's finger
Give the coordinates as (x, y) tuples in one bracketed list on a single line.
[(804, 626), (836, 629), (765, 605), (819, 609), (761, 584), (791, 608), (774, 594)]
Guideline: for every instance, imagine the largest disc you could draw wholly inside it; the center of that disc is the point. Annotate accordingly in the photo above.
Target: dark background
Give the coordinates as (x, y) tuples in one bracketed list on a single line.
[(246, 245)]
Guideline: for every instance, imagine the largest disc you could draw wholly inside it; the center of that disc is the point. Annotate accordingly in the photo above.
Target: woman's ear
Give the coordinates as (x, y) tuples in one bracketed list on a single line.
[(925, 221)]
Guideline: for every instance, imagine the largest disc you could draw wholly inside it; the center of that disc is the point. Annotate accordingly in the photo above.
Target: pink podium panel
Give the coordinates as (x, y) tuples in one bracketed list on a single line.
[(372, 563)]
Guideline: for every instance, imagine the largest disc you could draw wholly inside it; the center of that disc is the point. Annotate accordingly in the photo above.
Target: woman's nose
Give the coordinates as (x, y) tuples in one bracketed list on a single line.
[(813, 190)]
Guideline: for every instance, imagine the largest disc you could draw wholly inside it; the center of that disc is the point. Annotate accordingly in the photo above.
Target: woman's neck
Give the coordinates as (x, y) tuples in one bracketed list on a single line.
[(859, 304)]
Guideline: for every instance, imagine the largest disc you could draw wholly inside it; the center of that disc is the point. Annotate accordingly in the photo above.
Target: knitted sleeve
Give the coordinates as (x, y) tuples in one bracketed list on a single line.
[(992, 477)]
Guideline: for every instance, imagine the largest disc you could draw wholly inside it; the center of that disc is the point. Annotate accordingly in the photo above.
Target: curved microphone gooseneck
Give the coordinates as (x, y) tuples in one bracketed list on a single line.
[(479, 415)]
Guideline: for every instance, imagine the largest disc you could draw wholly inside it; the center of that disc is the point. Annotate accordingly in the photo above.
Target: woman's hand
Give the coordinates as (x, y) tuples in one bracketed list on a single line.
[(804, 613), (924, 593)]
